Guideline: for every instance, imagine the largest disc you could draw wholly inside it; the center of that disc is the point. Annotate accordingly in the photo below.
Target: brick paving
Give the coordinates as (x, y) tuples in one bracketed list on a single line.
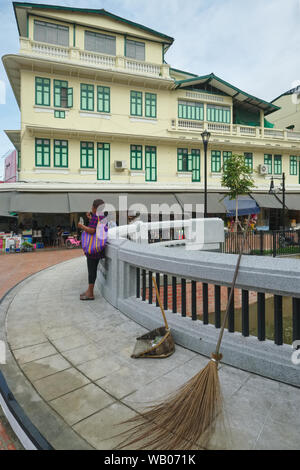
[(14, 268)]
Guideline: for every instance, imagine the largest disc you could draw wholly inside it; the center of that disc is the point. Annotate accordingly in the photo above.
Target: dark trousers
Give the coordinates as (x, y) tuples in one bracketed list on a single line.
[(92, 265)]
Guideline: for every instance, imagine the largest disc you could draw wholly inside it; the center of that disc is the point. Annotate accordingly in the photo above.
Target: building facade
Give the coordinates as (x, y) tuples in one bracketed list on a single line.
[(102, 112)]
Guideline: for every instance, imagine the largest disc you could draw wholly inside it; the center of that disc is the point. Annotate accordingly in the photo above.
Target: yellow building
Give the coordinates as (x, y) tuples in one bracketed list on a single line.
[(102, 112)]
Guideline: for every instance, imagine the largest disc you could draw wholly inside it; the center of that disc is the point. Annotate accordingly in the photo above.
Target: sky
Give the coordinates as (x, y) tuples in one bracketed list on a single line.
[(252, 44)]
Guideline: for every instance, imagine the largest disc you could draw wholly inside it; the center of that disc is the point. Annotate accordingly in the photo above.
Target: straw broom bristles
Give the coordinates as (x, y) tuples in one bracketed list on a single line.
[(186, 420)]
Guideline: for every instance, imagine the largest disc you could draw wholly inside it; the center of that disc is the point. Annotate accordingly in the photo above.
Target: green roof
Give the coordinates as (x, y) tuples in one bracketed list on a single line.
[(231, 90), (101, 12)]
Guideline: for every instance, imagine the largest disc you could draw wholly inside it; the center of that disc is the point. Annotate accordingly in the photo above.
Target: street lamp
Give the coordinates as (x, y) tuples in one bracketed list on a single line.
[(272, 191), (205, 138)]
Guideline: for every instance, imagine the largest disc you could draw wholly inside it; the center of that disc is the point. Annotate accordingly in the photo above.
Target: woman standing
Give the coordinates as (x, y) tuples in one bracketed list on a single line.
[(92, 260)]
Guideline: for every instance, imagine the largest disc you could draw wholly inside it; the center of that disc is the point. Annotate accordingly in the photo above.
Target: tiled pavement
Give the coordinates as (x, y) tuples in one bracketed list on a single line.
[(13, 269), (69, 366)]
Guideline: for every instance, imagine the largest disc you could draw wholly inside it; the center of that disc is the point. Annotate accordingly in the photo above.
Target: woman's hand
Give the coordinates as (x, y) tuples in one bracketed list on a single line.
[(79, 225)]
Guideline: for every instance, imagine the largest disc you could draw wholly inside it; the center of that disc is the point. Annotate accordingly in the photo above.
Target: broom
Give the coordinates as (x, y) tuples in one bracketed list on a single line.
[(187, 419)]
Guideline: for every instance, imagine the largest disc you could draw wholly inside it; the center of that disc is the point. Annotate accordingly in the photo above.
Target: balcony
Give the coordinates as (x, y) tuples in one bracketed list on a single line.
[(234, 130), (103, 61)]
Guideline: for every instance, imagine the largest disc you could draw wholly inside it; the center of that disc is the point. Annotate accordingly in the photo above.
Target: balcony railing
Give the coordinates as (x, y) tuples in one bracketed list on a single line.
[(234, 130), (105, 61)]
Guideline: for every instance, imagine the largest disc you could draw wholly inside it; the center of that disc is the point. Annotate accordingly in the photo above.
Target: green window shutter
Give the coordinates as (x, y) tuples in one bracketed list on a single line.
[(103, 99), (70, 98), (268, 162), (86, 154), (215, 161), (182, 160), (60, 89), (42, 91), (86, 97), (226, 156), (42, 152), (151, 163), (136, 157), (277, 164), (196, 173), (293, 165), (61, 153), (59, 114), (136, 103), (150, 105), (218, 114), (103, 157), (249, 160), (190, 110)]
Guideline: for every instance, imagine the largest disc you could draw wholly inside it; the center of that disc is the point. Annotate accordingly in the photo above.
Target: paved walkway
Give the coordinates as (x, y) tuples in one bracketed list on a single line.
[(69, 366), (13, 269)]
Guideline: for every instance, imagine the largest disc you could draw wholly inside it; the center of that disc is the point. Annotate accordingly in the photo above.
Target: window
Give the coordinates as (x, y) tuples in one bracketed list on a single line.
[(293, 165), (42, 91), (150, 105), (215, 161), (103, 99), (136, 103), (86, 97), (103, 157), (102, 43), (226, 156), (196, 174), (86, 154), (190, 110), (135, 49), (59, 114), (184, 160), (42, 152), (268, 162), (136, 157), (63, 96), (51, 33), (218, 114), (277, 164), (61, 153), (151, 163), (249, 160)]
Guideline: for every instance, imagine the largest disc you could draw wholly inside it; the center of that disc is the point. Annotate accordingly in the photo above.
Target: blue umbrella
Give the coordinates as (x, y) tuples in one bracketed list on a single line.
[(246, 206)]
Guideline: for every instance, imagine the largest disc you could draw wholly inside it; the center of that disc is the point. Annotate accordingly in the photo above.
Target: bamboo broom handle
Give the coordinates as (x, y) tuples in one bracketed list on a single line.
[(217, 352), (160, 304)]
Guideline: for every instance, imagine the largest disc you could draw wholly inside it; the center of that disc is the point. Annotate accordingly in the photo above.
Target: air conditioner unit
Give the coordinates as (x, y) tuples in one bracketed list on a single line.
[(263, 169), (120, 165)]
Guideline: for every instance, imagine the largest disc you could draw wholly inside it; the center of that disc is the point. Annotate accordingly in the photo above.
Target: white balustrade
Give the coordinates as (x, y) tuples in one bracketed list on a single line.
[(105, 61), (142, 67), (50, 50)]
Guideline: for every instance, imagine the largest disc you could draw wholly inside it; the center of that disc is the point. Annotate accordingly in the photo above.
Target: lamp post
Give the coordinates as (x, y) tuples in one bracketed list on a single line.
[(205, 138), (272, 191)]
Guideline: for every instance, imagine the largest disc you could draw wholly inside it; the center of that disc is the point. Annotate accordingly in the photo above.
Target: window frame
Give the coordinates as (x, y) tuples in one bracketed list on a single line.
[(136, 100), (150, 105), (53, 26), (57, 95), (294, 165), (43, 103), (196, 165), (87, 145), (105, 93), (136, 157), (136, 44), (102, 35), (216, 156), (268, 161), (277, 165), (43, 145), (219, 114), (190, 110), (88, 90), (105, 164), (184, 160), (60, 147), (150, 151), (226, 155), (249, 160)]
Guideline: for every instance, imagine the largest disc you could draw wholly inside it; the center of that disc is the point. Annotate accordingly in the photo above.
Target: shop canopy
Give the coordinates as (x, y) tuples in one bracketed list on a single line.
[(246, 206), (214, 206), (268, 201), (292, 201), (40, 203)]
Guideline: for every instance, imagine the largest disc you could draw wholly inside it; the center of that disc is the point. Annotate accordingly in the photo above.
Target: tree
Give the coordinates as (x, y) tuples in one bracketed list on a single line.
[(237, 178)]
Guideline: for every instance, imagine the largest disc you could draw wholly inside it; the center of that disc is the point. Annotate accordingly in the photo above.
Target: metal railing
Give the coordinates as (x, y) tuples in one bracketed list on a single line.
[(264, 243), (194, 288)]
